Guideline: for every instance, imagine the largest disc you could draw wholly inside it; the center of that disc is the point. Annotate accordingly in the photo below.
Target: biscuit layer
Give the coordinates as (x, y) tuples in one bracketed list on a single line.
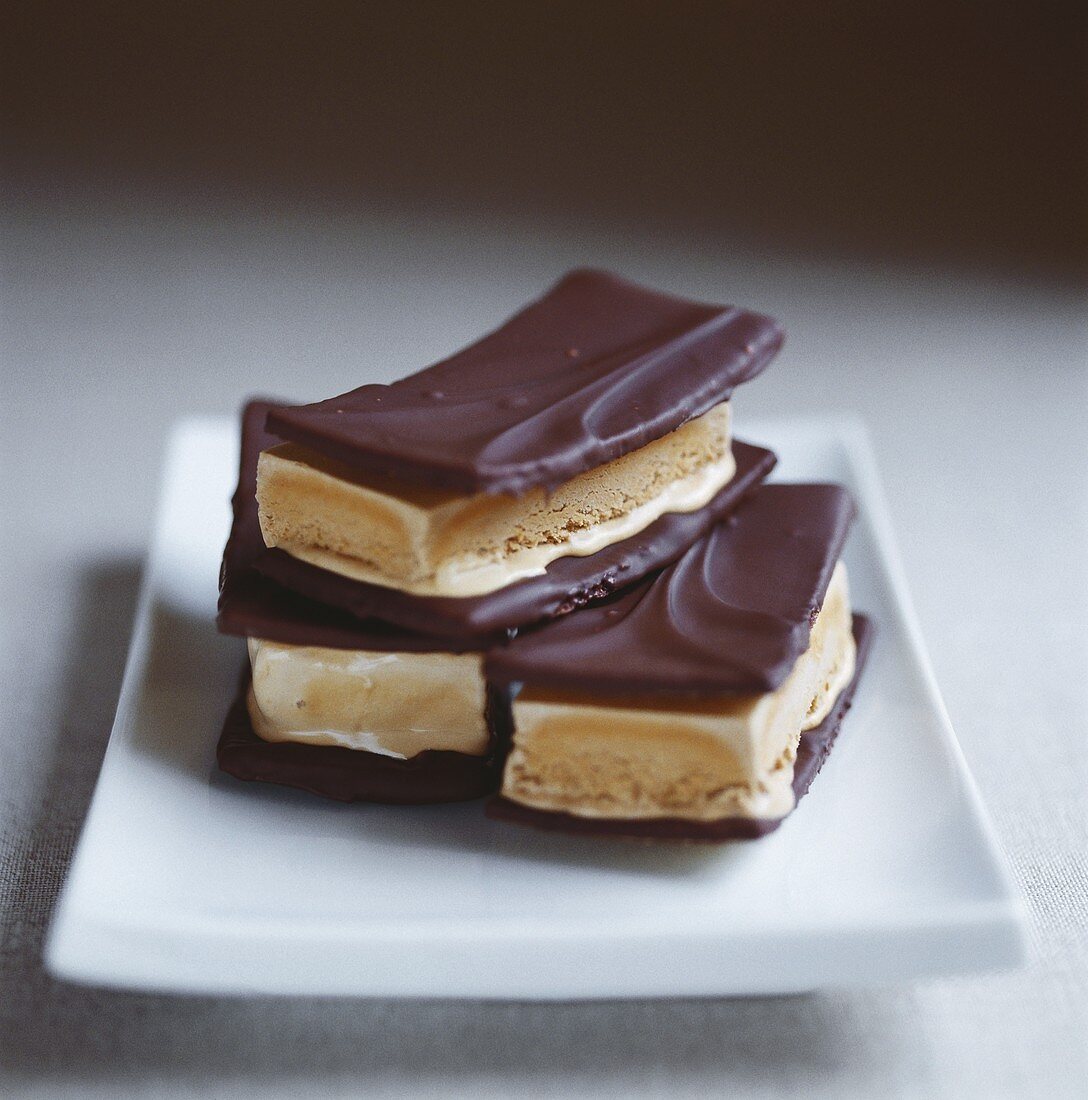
[(396, 704), (432, 542), (705, 759)]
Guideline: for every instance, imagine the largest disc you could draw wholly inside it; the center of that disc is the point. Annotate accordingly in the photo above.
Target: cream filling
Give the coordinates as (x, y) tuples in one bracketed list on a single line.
[(434, 543), (463, 576), (394, 704), (629, 758)]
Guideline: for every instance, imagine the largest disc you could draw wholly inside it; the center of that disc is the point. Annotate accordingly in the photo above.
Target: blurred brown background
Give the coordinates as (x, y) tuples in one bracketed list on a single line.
[(951, 131)]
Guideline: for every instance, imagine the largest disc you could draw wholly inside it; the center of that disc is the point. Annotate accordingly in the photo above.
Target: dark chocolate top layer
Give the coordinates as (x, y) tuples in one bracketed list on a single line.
[(732, 615), (594, 369), (269, 594)]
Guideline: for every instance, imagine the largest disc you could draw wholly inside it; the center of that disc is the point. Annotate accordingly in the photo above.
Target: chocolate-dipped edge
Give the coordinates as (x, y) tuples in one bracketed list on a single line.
[(259, 608), (593, 370), (566, 584), (353, 775), (814, 748), (253, 605), (732, 615)]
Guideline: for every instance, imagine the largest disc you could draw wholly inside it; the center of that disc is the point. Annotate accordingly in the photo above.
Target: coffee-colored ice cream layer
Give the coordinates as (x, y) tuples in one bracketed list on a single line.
[(433, 542), (667, 757), (397, 704)]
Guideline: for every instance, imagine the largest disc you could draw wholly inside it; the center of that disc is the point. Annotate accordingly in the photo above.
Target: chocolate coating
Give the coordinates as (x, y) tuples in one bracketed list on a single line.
[(257, 607), (269, 594), (812, 751), (732, 615), (351, 775), (594, 369)]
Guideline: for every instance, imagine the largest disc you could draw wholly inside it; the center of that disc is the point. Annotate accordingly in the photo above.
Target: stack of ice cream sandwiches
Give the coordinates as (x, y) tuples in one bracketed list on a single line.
[(544, 572)]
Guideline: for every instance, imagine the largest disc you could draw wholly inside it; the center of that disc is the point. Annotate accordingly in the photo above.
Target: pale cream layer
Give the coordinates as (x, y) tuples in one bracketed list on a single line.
[(435, 543), (724, 757), (396, 704)]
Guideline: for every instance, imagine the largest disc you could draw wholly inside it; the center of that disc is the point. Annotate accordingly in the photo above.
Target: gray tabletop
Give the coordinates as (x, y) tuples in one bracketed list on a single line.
[(122, 315)]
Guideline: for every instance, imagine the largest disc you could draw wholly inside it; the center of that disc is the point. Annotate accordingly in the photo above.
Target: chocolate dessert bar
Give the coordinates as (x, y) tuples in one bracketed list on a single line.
[(813, 749), (575, 426), (268, 593), (683, 699), (347, 775), (360, 711)]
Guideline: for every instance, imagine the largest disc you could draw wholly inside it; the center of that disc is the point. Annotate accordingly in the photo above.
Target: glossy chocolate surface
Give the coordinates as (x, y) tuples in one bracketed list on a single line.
[(594, 369), (732, 615), (269, 594), (813, 750)]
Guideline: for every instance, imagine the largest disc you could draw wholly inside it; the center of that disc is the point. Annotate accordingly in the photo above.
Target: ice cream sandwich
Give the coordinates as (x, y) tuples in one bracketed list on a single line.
[(679, 707)]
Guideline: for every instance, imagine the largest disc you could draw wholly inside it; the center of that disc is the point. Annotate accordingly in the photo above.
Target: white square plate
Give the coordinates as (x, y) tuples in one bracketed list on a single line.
[(187, 880)]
